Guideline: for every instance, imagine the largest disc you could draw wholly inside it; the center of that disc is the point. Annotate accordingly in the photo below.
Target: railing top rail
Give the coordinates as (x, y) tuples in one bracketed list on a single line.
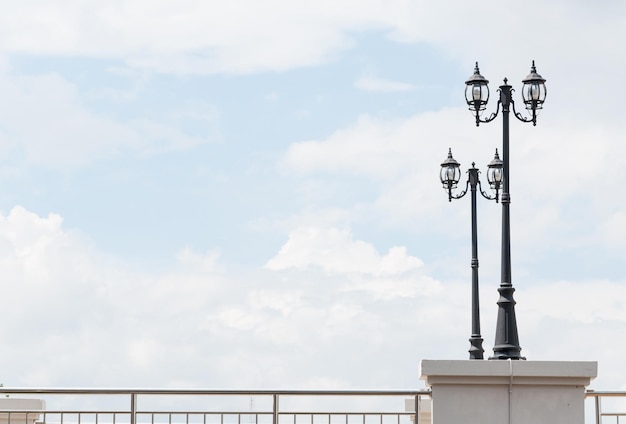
[(594, 393), (233, 392)]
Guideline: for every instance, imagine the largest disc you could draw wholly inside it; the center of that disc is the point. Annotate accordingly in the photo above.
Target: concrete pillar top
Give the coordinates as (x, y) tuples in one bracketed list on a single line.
[(431, 367)]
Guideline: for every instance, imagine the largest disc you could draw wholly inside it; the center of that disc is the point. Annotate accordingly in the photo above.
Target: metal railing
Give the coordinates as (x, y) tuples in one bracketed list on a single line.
[(191, 406), (198, 406), (599, 412)]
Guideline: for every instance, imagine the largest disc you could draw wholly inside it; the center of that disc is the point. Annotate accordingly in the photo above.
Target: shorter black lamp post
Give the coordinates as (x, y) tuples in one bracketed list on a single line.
[(450, 175)]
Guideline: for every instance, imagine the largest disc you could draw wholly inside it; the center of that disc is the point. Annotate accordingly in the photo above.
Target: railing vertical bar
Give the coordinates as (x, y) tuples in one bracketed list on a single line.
[(597, 398)]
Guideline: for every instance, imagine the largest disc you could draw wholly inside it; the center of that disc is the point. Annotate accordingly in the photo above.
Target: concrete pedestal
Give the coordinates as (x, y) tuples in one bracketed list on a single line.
[(507, 392)]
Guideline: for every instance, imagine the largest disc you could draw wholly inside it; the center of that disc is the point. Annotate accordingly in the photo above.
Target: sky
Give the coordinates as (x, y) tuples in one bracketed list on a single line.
[(246, 194)]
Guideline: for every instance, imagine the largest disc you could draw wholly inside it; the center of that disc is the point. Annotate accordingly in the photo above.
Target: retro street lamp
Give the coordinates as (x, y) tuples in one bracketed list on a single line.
[(506, 345), (449, 176)]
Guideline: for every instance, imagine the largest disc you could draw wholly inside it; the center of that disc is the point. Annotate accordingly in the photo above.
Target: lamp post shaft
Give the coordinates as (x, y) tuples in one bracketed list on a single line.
[(476, 342), (506, 344)]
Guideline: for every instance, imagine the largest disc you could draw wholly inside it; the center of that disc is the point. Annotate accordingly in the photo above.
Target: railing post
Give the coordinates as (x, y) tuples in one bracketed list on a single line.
[(598, 414), (275, 409), (418, 399), (133, 407)]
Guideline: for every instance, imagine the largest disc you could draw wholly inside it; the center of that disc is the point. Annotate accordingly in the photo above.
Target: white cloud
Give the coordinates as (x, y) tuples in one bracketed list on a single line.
[(402, 156), (382, 85), (84, 319), (189, 36), (554, 165), (189, 259), (45, 122), (334, 251), (369, 146), (143, 352), (199, 37), (614, 229), (357, 263), (580, 306), (32, 248)]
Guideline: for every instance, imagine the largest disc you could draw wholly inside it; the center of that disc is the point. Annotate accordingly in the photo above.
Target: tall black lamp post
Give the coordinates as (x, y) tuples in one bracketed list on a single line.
[(450, 175), (506, 345)]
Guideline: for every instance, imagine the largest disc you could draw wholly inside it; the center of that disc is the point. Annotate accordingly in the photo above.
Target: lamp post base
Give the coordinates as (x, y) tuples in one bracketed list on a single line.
[(476, 349), (506, 345), (505, 356)]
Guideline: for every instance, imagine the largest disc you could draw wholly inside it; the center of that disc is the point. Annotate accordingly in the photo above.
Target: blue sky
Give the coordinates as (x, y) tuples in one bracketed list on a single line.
[(246, 194)]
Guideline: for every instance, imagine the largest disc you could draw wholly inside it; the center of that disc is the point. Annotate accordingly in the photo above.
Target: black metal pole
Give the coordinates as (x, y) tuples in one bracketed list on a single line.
[(476, 341), (506, 345)]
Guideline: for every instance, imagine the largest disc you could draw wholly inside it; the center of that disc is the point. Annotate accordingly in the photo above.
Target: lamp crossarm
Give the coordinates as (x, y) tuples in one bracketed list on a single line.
[(485, 195), (524, 118), (458, 196), (491, 117)]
